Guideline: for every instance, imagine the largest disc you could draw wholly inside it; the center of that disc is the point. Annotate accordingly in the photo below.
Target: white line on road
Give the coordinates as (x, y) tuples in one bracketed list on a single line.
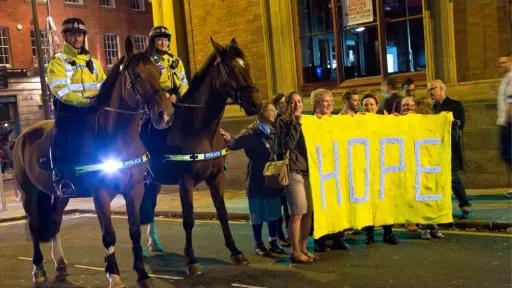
[(103, 269), (245, 286)]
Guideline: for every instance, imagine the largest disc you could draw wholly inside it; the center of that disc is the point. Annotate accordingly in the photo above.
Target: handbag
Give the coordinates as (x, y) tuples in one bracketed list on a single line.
[(276, 173)]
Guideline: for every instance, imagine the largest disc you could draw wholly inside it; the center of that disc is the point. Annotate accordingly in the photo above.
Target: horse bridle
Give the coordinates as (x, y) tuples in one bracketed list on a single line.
[(141, 104), (233, 92)]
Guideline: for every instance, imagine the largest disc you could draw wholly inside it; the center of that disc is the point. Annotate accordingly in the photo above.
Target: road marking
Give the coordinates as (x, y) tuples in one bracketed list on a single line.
[(245, 286), (168, 219), (460, 232), (12, 222), (103, 269)]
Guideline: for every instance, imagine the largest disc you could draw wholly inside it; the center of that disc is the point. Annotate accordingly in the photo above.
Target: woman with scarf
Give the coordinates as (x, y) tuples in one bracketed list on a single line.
[(264, 202)]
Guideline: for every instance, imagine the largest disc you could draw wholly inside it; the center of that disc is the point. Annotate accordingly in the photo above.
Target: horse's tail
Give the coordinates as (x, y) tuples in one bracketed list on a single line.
[(44, 215)]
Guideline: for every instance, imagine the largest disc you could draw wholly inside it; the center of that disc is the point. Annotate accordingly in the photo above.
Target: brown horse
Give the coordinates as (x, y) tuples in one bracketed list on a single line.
[(132, 88), (194, 150)]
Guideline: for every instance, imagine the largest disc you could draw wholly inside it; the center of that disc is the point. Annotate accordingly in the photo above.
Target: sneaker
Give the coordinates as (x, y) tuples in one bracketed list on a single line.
[(425, 234), (436, 234), (276, 248), (339, 244), (370, 238), (466, 212), (320, 245), (261, 250), (508, 194)]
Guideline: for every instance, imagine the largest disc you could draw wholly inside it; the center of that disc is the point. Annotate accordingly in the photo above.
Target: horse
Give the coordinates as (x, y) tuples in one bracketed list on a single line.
[(194, 149), (132, 88)]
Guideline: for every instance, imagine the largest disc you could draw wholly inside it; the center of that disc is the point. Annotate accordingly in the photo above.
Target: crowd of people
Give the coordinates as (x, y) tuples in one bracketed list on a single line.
[(278, 132)]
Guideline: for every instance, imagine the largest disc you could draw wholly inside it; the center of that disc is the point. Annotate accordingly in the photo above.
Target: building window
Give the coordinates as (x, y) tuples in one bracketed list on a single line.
[(137, 5), (140, 42), (111, 45), (45, 47), (5, 58), (108, 3), (75, 2), (344, 39)]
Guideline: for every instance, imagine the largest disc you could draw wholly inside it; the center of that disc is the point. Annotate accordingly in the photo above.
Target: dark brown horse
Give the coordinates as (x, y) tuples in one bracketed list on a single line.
[(194, 150), (131, 88)]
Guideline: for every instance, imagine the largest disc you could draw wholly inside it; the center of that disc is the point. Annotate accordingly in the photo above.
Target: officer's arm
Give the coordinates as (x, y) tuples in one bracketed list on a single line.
[(101, 73), (57, 82), (180, 71)]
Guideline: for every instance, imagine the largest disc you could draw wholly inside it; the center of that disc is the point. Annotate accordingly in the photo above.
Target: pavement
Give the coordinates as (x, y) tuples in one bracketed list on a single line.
[(491, 210)]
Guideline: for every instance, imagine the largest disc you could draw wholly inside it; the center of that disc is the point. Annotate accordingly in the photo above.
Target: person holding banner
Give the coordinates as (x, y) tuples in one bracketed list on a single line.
[(264, 202), (323, 105), (370, 105), (290, 140), (351, 102), (437, 92)]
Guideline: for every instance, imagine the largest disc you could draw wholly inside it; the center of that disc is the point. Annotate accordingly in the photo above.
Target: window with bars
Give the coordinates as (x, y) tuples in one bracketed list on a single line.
[(137, 5), (5, 57), (111, 45), (140, 42), (45, 46), (343, 39), (108, 3), (76, 2)]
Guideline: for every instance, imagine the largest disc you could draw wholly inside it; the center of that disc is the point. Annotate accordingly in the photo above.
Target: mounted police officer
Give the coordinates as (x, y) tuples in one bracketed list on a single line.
[(174, 81), (74, 78)]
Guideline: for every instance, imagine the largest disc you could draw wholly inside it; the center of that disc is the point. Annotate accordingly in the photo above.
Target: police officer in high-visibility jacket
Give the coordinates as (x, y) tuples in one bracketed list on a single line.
[(74, 78), (174, 81)]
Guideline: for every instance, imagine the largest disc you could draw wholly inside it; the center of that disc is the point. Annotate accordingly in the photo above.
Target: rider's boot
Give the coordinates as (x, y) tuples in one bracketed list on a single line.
[(63, 188)]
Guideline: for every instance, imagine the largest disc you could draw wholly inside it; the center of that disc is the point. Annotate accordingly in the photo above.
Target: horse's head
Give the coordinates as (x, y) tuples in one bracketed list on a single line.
[(142, 80), (235, 78)]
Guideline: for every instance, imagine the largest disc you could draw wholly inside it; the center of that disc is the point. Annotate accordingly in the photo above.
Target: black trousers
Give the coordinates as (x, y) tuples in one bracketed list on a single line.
[(506, 143), (68, 121), (459, 190)]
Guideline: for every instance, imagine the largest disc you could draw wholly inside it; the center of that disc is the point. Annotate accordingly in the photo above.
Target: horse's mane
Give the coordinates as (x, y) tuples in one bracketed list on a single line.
[(232, 51), (108, 85)]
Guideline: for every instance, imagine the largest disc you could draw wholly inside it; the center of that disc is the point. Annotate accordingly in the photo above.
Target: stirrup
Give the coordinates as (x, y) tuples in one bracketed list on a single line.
[(65, 189)]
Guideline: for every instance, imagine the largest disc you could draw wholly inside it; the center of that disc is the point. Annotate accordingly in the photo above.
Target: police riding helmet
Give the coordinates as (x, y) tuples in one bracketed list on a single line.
[(159, 31), (74, 25)]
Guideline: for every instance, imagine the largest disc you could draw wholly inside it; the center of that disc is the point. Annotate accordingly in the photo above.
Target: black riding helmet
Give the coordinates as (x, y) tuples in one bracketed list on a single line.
[(159, 31), (74, 25)]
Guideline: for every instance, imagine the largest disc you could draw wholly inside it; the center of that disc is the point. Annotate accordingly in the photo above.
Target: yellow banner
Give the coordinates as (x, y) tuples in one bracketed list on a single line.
[(378, 169)]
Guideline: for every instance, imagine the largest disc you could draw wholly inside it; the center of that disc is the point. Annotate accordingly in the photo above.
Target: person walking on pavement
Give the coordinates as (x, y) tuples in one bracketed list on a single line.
[(264, 202), (436, 89), (174, 82), (74, 78), (504, 113)]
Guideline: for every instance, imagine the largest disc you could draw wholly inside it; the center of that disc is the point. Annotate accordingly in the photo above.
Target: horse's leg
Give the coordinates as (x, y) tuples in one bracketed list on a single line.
[(38, 272), (216, 185), (133, 201), (102, 204), (58, 258), (187, 207)]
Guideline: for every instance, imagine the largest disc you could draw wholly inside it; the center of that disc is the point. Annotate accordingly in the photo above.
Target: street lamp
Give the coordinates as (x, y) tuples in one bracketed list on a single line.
[(40, 63)]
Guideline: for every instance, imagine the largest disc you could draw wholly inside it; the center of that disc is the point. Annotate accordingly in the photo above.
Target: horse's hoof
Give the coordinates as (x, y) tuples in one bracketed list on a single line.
[(114, 281), (145, 284), (39, 276), (61, 271), (239, 259), (194, 269)]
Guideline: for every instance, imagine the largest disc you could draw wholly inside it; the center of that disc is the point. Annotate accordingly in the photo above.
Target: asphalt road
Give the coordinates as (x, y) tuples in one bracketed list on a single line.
[(463, 259)]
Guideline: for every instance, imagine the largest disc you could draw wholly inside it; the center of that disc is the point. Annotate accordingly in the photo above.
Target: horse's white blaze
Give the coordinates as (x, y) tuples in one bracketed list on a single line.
[(241, 62), (57, 252), (110, 250)]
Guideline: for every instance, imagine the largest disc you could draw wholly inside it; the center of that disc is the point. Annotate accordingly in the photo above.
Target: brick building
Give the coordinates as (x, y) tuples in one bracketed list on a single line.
[(108, 23), (305, 44)]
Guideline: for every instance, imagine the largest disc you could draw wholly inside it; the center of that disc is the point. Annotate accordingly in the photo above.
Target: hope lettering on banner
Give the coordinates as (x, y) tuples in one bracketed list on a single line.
[(377, 170)]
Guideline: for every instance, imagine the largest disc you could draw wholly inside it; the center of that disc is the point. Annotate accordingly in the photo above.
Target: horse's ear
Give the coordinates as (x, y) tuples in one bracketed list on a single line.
[(128, 46), (218, 48), (234, 42)]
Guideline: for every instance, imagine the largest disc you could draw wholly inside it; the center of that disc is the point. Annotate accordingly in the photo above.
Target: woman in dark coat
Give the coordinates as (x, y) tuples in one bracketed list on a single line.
[(264, 202)]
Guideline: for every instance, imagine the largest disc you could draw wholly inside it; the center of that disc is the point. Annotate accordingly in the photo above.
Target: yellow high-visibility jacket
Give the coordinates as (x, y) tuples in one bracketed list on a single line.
[(173, 73), (70, 80)]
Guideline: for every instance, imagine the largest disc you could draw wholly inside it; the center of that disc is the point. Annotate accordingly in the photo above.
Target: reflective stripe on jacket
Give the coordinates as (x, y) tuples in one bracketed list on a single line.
[(171, 79), (71, 81)]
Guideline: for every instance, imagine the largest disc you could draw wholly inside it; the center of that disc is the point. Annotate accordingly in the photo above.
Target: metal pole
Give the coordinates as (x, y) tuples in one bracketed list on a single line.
[(40, 63)]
